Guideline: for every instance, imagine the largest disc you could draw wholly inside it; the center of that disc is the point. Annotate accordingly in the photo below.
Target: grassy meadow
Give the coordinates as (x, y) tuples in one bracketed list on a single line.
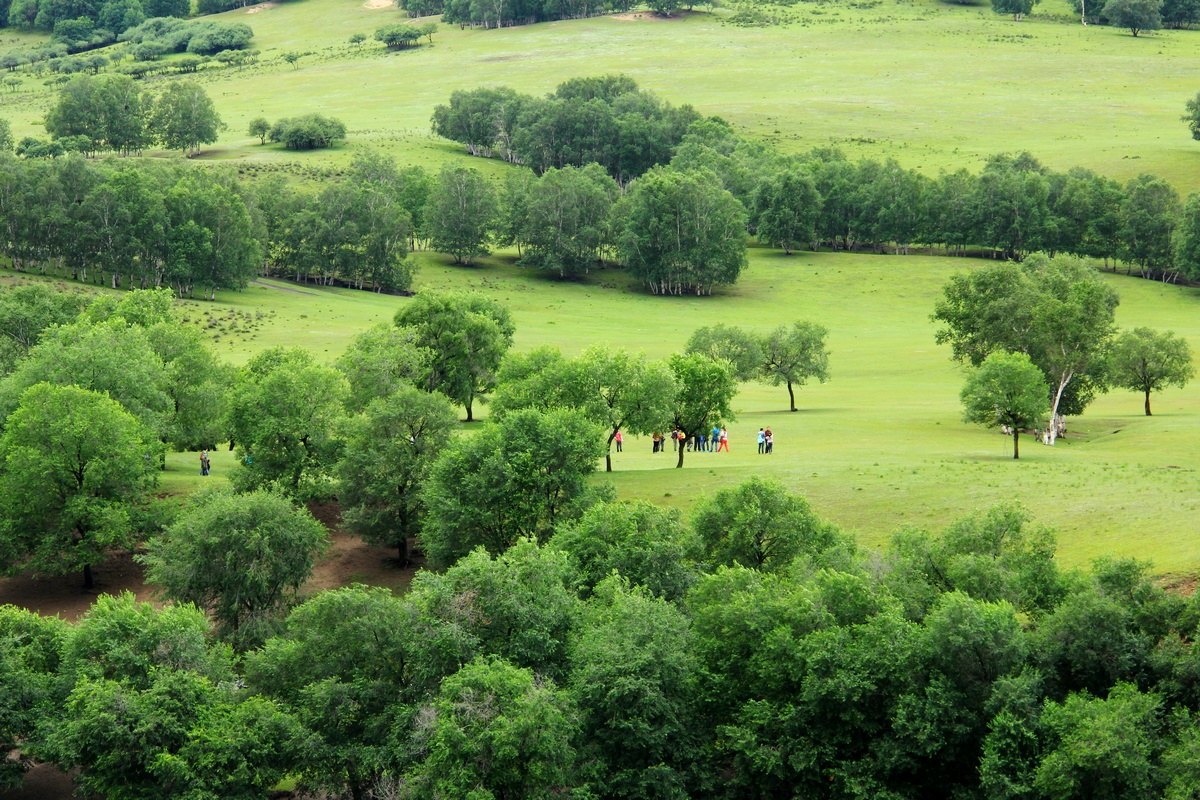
[(935, 85), (880, 446)]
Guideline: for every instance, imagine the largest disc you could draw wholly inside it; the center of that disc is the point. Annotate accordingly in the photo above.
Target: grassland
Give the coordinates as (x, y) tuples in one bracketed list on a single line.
[(932, 84), (878, 447)]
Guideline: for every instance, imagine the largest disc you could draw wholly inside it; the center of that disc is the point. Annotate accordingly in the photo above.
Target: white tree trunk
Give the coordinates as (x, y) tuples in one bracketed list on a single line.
[(1052, 428)]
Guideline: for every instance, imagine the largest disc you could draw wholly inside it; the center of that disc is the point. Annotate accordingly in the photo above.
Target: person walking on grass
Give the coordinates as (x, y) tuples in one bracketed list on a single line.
[(716, 438), (205, 464), (762, 441), (618, 438), (724, 445)]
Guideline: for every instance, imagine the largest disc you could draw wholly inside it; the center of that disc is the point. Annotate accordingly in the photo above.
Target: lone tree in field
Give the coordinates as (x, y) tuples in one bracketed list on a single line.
[(72, 463), (704, 390), (1136, 15), (1007, 390), (260, 127), (183, 118), (793, 355), (1144, 360)]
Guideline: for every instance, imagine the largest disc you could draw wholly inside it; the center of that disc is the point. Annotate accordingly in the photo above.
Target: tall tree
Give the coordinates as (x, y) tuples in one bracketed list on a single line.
[(793, 355), (1008, 391), (1148, 216), (467, 334), (381, 361), (566, 219), (786, 208), (1144, 360), (389, 450), (1136, 15), (26, 313), (704, 391), (743, 351), (680, 232), (509, 480), (183, 118), (240, 557), (72, 465), (462, 214)]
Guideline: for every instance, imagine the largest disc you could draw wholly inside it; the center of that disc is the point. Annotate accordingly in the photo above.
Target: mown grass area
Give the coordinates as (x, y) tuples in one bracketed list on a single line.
[(935, 85), (878, 447)]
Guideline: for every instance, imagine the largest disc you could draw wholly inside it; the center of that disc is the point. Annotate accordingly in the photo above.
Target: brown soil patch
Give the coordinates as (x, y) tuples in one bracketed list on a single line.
[(65, 595), (351, 560), (378, 4), (42, 782), (259, 7)]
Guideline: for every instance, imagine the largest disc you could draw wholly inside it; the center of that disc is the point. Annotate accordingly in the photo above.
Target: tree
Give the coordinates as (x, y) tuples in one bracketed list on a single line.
[(1007, 390), (467, 334), (73, 463), (793, 356), (260, 127), (786, 208), (1148, 216), (307, 132), (30, 655), (1136, 15), (760, 525), (647, 545), (389, 450), (26, 314), (496, 731), (183, 118), (743, 351), (1018, 8), (507, 481), (1144, 360), (704, 390), (396, 37), (284, 412), (635, 678), (6, 137), (462, 213), (1057, 311), (210, 239), (566, 219), (107, 109), (381, 361), (240, 557), (681, 232)]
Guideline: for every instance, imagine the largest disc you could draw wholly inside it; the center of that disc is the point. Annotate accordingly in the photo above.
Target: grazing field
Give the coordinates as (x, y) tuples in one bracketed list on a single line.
[(934, 85), (878, 447)]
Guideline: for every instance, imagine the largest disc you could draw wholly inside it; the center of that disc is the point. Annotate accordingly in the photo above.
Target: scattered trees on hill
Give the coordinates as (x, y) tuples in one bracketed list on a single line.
[(398, 37), (786, 355)]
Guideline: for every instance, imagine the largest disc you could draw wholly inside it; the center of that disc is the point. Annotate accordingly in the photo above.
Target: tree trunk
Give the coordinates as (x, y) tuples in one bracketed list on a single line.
[(791, 396), (1052, 434), (679, 463), (1147, 402), (469, 417), (88, 581), (402, 553), (1016, 443)]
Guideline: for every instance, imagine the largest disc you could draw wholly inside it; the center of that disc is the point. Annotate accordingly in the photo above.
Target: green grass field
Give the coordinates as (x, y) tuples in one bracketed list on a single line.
[(932, 84), (878, 447)]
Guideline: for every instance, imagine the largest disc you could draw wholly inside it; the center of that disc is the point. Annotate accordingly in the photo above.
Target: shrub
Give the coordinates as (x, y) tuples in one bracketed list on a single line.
[(307, 132)]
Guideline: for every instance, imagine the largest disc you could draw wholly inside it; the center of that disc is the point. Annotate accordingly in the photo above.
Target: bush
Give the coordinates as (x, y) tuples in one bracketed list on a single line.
[(398, 36), (307, 132), (215, 37)]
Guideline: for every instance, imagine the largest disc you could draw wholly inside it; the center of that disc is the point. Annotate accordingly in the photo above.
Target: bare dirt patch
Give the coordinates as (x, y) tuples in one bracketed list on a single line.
[(43, 782), (259, 7), (375, 5), (351, 560), (650, 16), (65, 595)]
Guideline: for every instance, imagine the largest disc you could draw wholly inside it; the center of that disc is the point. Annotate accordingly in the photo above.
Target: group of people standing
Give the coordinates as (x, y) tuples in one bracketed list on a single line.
[(766, 441), (714, 441)]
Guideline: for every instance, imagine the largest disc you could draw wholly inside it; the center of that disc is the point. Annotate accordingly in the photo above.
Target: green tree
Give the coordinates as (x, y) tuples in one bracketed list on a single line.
[(240, 557), (260, 127), (1007, 391), (647, 545), (73, 463), (399, 36), (634, 676), (507, 481), (1057, 311), (1018, 8), (758, 524), (1144, 360), (183, 118), (26, 314), (1148, 216), (794, 355), (210, 238), (1136, 15), (566, 219), (107, 109), (284, 412), (389, 450), (743, 351), (681, 232), (786, 208), (704, 390), (381, 361), (496, 731), (462, 213), (1187, 239), (30, 654), (1192, 117), (6, 137), (1101, 748), (468, 336)]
